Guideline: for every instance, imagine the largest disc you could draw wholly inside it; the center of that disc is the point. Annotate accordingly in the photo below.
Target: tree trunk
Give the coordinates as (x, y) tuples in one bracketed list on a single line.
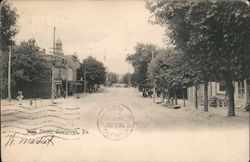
[(196, 95), (230, 93), (162, 96), (205, 96), (168, 96), (247, 106), (183, 97), (175, 97)]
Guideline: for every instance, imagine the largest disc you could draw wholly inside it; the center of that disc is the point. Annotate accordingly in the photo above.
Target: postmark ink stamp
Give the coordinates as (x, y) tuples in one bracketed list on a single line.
[(115, 121)]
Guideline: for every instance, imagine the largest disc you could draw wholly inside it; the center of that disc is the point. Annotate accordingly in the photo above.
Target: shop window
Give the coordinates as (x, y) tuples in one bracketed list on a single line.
[(221, 87)]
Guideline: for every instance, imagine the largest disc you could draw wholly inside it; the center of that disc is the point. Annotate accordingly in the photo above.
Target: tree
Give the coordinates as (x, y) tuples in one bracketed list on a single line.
[(183, 27), (95, 72), (132, 77), (126, 78), (140, 60), (170, 71), (112, 78), (213, 35), (8, 29), (30, 71)]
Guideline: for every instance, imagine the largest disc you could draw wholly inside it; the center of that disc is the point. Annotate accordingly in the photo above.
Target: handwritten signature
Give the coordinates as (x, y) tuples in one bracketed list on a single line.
[(47, 139), (13, 140)]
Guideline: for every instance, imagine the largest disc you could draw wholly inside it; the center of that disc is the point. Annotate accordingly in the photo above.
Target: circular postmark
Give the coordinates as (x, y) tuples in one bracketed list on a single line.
[(115, 121)]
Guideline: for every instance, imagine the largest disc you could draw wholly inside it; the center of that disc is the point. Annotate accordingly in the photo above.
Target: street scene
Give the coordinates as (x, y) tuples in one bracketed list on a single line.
[(125, 81)]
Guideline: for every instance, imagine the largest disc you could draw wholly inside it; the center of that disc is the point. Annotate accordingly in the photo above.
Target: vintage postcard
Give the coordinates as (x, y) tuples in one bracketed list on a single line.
[(127, 80)]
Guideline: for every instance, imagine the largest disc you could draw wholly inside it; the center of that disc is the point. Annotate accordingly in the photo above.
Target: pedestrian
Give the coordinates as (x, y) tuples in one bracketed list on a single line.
[(64, 94), (20, 97), (144, 94), (150, 92)]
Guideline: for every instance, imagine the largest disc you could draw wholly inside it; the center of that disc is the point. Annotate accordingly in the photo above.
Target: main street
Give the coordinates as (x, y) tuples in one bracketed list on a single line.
[(186, 133)]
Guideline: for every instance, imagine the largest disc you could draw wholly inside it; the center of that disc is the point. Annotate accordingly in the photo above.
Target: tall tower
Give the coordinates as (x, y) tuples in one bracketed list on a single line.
[(58, 50)]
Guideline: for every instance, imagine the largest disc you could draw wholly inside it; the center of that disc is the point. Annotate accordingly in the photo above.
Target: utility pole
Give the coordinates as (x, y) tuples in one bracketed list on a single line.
[(9, 76), (152, 57), (67, 88), (84, 81), (52, 68), (129, 77)]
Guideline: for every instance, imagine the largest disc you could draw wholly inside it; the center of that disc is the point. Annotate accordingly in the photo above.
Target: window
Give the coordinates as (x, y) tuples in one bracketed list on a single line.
[(60, 74), (241, 90), (221, 87)]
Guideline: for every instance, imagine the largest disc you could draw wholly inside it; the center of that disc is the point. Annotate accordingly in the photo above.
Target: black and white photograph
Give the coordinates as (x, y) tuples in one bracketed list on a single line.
[(125, 80)]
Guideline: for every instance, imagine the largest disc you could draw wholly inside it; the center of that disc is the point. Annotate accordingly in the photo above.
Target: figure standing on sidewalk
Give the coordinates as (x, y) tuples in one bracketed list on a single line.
[(20, 97)]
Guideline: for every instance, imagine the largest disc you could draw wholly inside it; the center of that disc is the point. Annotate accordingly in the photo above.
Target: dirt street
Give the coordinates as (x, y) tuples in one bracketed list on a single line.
[(159, 133)]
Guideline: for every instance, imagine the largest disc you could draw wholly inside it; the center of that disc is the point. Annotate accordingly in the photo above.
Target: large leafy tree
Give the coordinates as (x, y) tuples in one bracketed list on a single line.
[(214, 36), (30, 70), (95, 72), (170, 71), (140, 61), (183, 27), (8, 29)]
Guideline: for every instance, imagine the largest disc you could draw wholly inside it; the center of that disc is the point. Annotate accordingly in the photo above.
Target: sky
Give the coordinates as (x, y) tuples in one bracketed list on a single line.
[(96, 28)]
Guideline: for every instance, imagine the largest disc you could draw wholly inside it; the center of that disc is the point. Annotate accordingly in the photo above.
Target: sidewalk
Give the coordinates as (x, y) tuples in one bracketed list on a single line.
[(36, 102), (217, 113)]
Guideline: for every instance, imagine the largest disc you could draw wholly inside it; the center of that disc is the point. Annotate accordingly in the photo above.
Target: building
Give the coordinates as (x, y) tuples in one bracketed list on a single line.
[(72, 84), (217, 93), (64, 71)]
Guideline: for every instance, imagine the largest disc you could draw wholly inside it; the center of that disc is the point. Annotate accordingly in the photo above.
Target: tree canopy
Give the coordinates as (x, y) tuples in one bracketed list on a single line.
[(140, 61), (213, 35), (30, 71), (169, 69), (95, 72), (8, 27)]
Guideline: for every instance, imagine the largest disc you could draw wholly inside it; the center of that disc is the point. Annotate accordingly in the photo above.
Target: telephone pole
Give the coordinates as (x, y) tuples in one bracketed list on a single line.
[(52, 68), (129, 77), (9, 75), (66, 83), (84, 81)]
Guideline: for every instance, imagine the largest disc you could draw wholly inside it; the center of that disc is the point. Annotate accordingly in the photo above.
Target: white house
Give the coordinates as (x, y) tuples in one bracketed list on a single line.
[(218, 90)]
